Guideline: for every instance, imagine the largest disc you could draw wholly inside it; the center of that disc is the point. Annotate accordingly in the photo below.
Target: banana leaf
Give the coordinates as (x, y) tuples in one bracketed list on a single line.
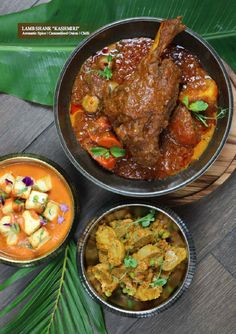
[(54, 301), (30, 67)]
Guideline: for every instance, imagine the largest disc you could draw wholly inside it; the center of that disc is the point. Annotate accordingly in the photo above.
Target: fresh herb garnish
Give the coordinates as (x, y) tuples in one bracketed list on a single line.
[(130, 262), (22, 191), (106, 73), (158, 282), (18, 201), (146, 220), (15, 228), (35, 199), (117, 152), (198, 106), (99, 151)]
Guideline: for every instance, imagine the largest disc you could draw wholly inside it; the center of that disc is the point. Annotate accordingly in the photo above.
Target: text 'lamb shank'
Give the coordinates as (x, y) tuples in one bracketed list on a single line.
[(140, 108)]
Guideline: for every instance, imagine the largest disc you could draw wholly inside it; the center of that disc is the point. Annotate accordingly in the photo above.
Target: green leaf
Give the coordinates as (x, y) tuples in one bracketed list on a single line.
[(117, 152), (30, 67), (106, 73), (99, 151), (130, 262), (159, 282), (146, 220), (198, 106), (54, 301), (186, 101)]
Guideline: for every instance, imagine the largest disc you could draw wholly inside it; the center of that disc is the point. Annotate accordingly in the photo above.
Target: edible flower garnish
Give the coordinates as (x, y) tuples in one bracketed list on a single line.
[(8, 181), (43, 221), (7, 224), (60, 219), (28, 181), (64, 208), (99, 151)]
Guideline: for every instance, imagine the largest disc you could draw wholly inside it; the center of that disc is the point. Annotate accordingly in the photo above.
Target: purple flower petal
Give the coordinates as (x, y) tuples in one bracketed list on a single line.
[(6, 224), (28, 181), (43, 221), (8, 181), (64, 208), (60, 219)]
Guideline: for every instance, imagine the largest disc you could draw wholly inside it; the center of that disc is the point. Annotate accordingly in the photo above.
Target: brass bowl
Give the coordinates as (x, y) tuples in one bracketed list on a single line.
[(44, 162), (119, 303)]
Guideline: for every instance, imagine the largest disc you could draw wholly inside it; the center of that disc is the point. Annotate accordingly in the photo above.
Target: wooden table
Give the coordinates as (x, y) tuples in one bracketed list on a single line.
[(209, 306)]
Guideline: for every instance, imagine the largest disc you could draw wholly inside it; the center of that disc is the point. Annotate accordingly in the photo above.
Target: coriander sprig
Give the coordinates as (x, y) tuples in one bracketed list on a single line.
[(146, 220), (99, 151), (198, 106), (106, 73)]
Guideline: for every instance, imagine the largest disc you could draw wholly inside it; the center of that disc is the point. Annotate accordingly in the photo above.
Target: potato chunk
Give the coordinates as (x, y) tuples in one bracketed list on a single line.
[(173, 257), (43, 184), (39, 238), (90, 103), (102, 274), (116, 252), (8, 206), (36, 201), (139, 238), (104, 236), (148, 251), (31, 222), (144, 293), (6, 182), (20, 189), (12, 239), (51, 211)]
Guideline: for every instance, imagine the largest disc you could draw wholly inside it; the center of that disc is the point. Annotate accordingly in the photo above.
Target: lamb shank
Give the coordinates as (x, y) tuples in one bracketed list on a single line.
[(140, 108)]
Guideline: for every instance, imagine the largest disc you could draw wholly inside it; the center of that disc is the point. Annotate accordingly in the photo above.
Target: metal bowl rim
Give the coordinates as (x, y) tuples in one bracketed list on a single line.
[(63, 174), (113, 188), (170, 301)]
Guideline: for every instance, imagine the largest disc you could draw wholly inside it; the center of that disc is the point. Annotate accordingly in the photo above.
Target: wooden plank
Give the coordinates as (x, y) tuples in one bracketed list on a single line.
[(21, 122), (208, 307), (211, 218), (225, 252)]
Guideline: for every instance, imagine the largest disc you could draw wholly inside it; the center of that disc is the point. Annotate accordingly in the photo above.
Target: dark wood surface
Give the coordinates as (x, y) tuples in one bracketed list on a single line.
[(209, 306)]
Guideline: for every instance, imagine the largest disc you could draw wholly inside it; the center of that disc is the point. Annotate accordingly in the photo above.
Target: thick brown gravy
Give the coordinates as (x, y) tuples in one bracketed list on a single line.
[(175, 154)]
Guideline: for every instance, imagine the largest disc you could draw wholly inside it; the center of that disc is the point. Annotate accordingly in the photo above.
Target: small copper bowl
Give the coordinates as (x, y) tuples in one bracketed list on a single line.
[(46, 163), (87, 255)]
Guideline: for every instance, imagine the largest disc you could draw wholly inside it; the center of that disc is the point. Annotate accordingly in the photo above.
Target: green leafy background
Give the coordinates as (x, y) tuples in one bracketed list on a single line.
[(30, 68)]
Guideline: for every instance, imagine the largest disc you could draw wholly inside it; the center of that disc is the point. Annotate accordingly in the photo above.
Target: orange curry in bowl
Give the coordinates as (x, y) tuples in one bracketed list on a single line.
[(36, 209), (144, 109)]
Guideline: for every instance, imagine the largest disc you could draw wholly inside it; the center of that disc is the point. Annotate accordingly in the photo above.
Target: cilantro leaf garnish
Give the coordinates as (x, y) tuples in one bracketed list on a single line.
[(106, 73), (158, 282), (198, 106), (146, 220), (99, 151), (22, 191), (15, 228), (117, 152), (130, 262)]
